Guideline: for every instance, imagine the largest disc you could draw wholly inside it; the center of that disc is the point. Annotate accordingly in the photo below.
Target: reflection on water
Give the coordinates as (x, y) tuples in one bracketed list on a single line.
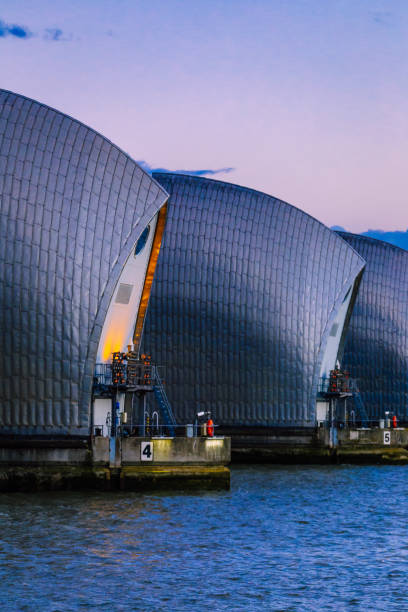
[(284, 538)]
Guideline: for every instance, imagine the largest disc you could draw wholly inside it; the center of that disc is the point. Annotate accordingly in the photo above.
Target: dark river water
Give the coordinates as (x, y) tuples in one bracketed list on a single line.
[(283, 538)]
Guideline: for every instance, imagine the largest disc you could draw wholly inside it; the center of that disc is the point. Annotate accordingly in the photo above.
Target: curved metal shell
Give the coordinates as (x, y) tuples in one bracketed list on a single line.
[(376, 348), (245, 293), (72, 208)]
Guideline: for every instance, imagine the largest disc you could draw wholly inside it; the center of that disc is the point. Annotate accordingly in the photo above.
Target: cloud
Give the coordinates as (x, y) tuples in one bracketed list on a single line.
[(397, 238), (54, 34), (18, 31), (208, 172), (382, 17)]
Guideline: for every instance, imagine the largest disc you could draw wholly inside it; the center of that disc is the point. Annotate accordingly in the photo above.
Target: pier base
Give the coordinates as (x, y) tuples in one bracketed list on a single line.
[(140, 464), (315, 446)]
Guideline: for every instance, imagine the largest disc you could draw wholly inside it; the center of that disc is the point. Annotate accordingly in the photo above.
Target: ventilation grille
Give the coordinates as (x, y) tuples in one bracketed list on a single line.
[(123, 294), (333, 331)]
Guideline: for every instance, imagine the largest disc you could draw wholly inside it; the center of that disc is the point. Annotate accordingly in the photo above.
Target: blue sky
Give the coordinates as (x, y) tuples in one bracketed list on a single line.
[(305, 100)]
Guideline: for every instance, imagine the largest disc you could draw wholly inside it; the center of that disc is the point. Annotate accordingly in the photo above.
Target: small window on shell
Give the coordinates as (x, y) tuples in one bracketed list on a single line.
[(141, 243)]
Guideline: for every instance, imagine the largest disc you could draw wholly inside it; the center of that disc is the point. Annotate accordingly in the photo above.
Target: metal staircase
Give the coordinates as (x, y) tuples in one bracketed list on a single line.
[(361, 413), (164, 404)]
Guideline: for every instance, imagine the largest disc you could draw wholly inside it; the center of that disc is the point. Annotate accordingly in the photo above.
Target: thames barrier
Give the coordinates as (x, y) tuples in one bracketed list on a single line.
[(153, 327)]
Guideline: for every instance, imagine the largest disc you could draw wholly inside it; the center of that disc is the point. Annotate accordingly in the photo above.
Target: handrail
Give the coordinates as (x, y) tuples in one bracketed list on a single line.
[(159, 385), (138, 430), (130, 375)]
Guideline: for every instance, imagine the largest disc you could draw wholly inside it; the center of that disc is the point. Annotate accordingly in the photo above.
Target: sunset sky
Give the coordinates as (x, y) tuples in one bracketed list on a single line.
[(303, 99)]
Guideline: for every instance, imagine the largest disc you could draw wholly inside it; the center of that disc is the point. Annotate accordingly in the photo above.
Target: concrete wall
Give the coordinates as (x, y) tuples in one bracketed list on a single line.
[(166, 451), (100, 451), (178, 451), (175, 463), (363, 437), (42, 456)]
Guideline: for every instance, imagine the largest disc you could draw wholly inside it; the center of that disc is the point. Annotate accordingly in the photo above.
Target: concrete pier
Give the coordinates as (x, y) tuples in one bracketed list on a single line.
[(138, 464), (387, 446), (316, 445)]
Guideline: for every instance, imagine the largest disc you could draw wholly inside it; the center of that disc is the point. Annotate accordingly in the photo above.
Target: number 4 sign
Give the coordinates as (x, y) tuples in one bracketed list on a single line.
[(146, 451)]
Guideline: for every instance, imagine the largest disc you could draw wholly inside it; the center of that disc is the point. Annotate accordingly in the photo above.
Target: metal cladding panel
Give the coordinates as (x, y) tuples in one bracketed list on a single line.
[(376, 349), (72, 207), (244, 295)]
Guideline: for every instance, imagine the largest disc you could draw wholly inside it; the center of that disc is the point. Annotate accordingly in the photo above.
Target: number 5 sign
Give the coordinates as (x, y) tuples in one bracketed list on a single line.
[(146, 451), (387, 437)]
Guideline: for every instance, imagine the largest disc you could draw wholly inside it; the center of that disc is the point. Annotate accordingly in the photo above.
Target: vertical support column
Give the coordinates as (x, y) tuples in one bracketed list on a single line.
[(114, 441), (115, 413), (142, 403), (332, 425)]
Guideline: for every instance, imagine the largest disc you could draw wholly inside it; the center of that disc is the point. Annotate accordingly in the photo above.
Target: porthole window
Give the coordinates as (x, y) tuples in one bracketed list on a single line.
[(140, 244)]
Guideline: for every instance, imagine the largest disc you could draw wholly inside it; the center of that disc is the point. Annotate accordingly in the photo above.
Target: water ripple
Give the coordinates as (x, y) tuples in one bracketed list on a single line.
[(291, 539)]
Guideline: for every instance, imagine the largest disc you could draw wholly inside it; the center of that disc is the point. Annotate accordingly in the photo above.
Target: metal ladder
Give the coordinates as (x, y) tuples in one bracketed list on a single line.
[(164, 404)]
